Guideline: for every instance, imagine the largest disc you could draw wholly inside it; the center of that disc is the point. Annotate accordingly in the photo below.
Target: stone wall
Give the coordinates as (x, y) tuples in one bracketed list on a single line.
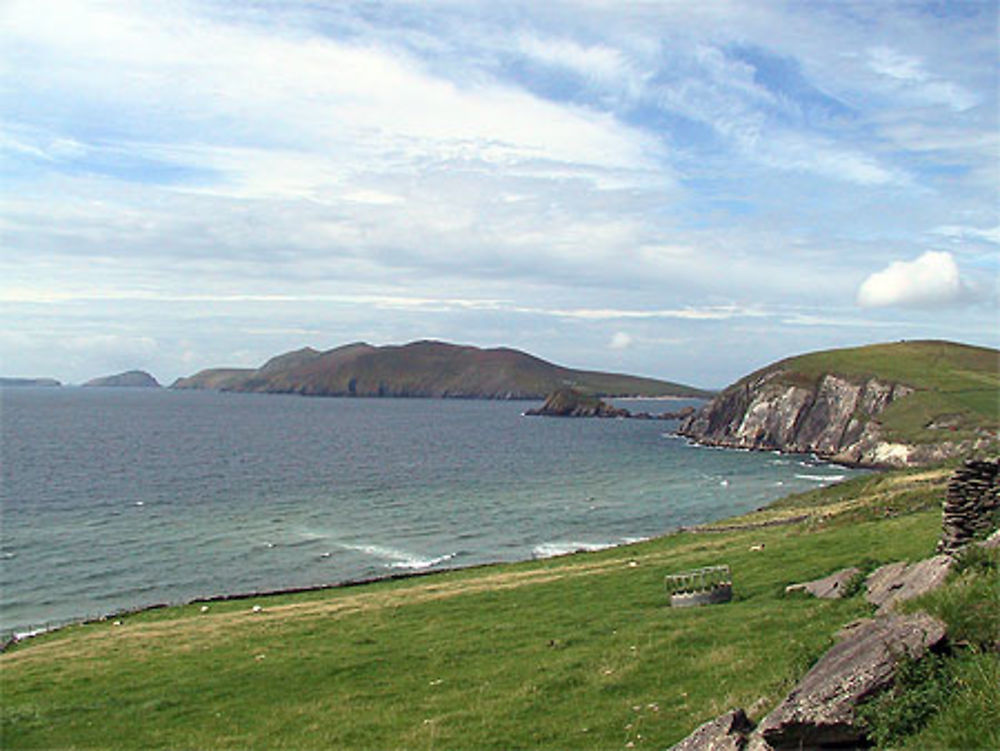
[(971, 504)]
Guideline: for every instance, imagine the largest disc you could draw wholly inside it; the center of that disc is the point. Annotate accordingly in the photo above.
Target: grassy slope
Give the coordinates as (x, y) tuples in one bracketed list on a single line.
[(957, 382), (577, 652)]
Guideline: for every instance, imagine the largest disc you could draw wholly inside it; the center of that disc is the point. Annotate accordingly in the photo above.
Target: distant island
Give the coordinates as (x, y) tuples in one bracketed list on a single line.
[(128, 379), (425, 369), (17, 382), (898, 404)]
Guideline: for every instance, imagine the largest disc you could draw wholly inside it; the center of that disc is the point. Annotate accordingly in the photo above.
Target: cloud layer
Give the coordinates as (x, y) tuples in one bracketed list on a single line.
[(210, 182)]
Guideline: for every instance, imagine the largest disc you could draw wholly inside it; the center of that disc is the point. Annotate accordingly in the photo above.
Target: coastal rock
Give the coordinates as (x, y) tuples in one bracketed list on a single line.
[(900, 581), (727, 732), (128, 379), (820, 711), (571, 403), (830, 587)]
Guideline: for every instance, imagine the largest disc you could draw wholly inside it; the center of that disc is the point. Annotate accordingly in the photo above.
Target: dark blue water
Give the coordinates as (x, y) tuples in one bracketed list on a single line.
[(117, 498)]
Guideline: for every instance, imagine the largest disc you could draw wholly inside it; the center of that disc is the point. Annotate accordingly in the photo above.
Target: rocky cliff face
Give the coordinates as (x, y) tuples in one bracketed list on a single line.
[(833, 417)]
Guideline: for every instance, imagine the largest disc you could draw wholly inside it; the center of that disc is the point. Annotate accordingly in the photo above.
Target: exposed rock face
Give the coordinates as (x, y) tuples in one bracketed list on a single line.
[(832, 417), (971, 505), (900, 581), (128, 379), (571, 403), (830, 587), (820, 710), (725, 733)]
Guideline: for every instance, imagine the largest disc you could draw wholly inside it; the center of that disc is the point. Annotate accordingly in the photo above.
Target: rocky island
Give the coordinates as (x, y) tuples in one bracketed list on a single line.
[(128, 379), (900, 404)]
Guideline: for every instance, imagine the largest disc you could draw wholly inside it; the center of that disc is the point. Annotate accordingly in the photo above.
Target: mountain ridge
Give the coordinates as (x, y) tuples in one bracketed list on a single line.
[(424, 369)]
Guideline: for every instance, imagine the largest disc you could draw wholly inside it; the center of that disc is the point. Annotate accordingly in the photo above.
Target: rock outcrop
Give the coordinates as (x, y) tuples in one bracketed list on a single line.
[(821, 710), (572, 403), (728, 732), (897, 582), (128, 379), (830, 587)]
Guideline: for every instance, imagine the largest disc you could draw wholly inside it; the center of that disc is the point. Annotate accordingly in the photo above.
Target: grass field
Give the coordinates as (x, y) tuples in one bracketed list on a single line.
[(575, 652)]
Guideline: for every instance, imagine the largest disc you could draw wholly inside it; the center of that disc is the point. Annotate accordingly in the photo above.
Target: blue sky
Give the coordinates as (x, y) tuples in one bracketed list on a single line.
[(676, 189)]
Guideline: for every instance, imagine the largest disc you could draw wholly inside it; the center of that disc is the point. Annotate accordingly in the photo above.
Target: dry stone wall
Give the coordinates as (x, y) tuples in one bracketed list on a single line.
[(972, 503)]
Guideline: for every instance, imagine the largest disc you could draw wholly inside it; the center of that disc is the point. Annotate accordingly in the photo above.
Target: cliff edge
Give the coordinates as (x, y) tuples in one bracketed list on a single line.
[(900, 404)]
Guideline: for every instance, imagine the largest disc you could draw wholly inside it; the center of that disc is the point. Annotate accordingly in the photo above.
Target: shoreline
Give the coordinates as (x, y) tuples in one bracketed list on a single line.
[(17, 637)]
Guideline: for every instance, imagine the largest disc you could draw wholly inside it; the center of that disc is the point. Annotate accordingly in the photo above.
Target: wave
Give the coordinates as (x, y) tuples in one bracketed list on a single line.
[(395, 558), (418, 564), (822, 478), (565, 547)]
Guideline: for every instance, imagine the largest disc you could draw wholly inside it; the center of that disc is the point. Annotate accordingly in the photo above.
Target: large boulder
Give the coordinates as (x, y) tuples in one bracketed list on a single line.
[(830, 587), (820, 712), (901, 581), (725, 733)]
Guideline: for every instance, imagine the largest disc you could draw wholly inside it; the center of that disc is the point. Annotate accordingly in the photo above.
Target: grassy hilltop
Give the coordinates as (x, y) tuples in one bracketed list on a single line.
[(574, 652)]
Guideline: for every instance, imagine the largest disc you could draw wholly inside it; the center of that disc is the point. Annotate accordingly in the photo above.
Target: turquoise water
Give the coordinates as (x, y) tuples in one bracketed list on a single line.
[(115, 499)]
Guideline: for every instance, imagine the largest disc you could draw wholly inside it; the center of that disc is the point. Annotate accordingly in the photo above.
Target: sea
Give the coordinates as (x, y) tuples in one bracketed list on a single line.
[(119, 499)]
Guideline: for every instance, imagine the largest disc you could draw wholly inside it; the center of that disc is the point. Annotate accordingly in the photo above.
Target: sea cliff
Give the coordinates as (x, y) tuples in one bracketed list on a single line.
[(867, 406)]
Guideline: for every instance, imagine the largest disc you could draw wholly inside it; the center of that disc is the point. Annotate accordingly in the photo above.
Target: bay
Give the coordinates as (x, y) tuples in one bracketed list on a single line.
[(115, 499)]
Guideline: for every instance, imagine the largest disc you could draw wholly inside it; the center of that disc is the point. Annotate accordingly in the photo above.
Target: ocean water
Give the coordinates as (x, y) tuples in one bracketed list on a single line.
[(115, 498)]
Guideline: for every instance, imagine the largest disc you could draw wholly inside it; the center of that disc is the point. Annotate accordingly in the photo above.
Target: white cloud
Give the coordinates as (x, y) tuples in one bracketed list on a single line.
[(621, 340), (908, 75), (931, 280)]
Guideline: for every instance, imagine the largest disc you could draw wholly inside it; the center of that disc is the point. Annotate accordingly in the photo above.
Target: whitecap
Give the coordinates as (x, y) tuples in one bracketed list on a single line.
[(401, 559), (417, 564), (565, 547), (821, 478), (18, 636)]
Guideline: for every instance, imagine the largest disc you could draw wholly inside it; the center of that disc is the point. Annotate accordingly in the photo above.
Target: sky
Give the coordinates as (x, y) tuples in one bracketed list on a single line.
[(684, 190)]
